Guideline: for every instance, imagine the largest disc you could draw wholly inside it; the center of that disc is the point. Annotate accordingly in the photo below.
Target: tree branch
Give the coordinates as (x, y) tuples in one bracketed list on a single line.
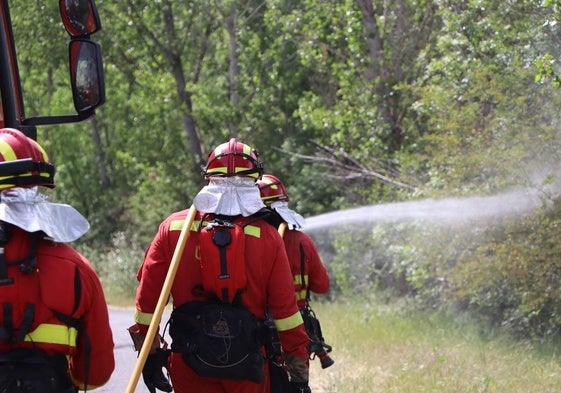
[(341, 165)]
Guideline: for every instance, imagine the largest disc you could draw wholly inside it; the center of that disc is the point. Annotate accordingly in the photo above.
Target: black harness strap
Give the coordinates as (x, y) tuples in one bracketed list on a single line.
[(28, 263), (4, 279), (77, 290), (27, 266), (7, 330), (78, 324), (222, 239), (27, 321), (4, 239)]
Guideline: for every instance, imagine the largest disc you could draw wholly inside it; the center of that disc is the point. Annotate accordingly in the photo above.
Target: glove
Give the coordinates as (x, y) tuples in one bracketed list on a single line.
[(300, 387), (152, 373), (298, 369)]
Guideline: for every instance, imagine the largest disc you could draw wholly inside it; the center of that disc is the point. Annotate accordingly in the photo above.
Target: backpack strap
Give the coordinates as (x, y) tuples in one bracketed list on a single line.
[(78, 324), (28, 263), (27, 321), (4, 239), (261, 214), (27, 266), (7, 329)]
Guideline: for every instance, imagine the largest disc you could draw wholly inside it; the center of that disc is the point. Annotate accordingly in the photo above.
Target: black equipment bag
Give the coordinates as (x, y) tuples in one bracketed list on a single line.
[(218, 339), (280, 382), (32, 371)]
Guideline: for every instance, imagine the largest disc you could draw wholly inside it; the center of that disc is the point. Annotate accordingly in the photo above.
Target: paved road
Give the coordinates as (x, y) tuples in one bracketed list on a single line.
[(125, 356)]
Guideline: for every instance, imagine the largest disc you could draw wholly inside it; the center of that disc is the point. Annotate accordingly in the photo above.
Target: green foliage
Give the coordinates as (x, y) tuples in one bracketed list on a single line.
[(482, 131), (449, 98), (117, 267), (513, 275)]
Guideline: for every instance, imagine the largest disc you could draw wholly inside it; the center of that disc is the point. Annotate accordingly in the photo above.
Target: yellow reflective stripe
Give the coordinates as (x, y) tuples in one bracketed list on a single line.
[(298, 279), (240, 169), (221, 169), (7, 152), (301, 295), (289, 323), (143, 318), (177, 225), (252, 231), (53, 334), (224, 170), (43, 152)]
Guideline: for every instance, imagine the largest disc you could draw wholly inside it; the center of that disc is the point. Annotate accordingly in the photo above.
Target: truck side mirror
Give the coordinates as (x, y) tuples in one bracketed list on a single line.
[(86, 75), (80, 17)]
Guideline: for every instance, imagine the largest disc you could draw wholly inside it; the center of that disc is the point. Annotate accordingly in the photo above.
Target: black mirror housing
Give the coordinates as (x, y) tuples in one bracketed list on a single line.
[(86, 75), (80, 17)]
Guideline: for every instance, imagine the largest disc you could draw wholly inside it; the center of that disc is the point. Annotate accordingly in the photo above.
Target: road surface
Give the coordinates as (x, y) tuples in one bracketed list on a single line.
[(125, 356)]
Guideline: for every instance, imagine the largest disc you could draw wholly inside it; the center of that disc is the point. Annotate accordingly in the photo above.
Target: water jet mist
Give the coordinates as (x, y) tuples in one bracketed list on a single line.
[(449, 211)]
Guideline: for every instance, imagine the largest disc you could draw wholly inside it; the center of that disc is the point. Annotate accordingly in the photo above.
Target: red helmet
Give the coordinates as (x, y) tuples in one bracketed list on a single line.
[(233, 158), (23, 162), (271, 189)]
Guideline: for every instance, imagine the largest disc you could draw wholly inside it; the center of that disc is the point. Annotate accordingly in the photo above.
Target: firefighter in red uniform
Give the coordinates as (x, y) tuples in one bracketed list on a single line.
[(310, 274), (54, 324), (298, 244), (232, 170)]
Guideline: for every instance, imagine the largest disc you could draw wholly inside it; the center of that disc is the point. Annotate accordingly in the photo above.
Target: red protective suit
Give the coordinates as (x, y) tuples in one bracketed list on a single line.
[(62, 281), (269, 285), (300, 245)]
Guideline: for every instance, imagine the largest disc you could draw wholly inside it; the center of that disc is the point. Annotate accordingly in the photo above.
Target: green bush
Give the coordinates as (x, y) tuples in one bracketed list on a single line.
[(117, 268), (506, 271)]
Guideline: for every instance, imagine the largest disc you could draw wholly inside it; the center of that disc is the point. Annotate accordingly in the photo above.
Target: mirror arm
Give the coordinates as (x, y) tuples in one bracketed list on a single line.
[(49, 120)]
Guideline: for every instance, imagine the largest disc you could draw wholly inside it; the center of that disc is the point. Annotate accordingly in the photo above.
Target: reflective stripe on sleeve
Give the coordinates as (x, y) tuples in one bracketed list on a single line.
[(301, 295), (143, 318), (53, 334), (252, 231), (177, 225), (298, 279), (290, 322)]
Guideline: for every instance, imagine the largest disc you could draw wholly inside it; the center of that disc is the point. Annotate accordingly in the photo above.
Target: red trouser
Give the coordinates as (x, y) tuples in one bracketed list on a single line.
[(185, 380)]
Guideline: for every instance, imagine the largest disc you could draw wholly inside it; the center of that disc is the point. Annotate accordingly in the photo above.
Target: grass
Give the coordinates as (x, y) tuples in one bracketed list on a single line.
[(378, 350)]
